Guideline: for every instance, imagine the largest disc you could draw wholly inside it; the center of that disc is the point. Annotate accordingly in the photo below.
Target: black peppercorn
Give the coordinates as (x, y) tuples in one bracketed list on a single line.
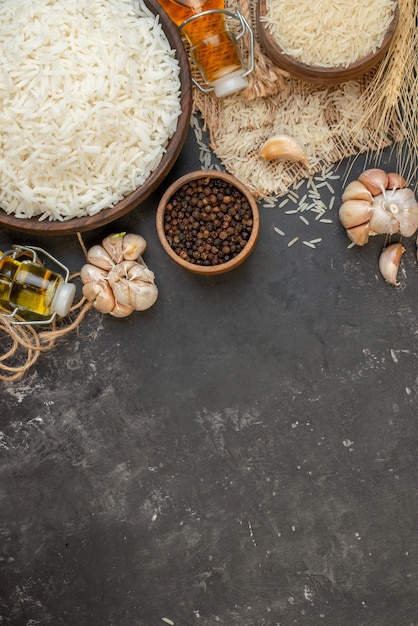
[(208, 221)]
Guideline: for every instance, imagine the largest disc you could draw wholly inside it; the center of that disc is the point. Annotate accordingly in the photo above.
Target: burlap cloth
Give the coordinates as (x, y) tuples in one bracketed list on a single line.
[(332, 122)]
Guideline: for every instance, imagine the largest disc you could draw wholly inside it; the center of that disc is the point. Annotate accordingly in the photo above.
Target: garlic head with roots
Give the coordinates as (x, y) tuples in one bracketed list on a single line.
[(378, 203), (116, 279)]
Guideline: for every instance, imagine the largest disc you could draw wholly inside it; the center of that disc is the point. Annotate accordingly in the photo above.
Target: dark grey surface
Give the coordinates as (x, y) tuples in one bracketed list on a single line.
[(242, 454)]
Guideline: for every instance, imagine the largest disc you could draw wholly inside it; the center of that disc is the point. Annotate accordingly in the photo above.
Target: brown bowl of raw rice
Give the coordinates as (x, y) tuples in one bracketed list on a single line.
[(323, 41), (95, 109)]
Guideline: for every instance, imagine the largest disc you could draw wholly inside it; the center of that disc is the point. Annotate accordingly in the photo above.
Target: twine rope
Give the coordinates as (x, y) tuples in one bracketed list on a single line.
[(23, 344)]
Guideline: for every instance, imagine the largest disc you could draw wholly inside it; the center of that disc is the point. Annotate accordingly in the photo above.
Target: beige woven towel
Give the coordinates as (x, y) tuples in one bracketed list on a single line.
[(332, 122)]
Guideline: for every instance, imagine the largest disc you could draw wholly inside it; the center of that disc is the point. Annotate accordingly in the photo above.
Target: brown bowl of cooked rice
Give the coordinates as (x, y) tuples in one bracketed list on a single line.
[(208, 222), (94, 113), (324, 42)]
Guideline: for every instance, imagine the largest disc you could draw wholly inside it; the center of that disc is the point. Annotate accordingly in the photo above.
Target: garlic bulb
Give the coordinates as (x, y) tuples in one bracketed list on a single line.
[(381, 200), (116, 278), (380, 203)]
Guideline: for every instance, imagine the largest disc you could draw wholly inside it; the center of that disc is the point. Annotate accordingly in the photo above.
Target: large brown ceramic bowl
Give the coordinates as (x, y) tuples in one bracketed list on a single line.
[(134, 199), (317, 74), (237, 196)]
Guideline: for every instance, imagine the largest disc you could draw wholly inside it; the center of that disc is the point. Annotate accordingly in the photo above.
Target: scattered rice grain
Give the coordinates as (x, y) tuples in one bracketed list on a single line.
[(279, 231)]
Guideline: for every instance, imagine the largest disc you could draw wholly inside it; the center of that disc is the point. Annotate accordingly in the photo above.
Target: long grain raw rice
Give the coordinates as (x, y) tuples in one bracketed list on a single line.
[(89, 98), (327, 33)]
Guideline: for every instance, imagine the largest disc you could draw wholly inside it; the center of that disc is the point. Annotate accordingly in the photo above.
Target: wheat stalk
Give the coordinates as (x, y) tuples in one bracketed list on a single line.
[(389, 102)]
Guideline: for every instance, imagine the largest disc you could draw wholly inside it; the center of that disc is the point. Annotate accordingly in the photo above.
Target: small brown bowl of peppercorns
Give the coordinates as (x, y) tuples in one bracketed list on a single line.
[(208, 222)]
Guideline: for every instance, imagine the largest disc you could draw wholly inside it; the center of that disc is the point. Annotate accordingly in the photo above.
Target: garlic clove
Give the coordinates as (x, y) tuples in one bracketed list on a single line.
[(141, 272), (92, 274), (101, 295), (98, 256), (142, 295), (120, 270), (121, 292), (395, 181), (357, 191), (283, 147), (113, 244), (375, 180), (133, 246), (355, 212), (120, 310), (359, 234), (389, 262)]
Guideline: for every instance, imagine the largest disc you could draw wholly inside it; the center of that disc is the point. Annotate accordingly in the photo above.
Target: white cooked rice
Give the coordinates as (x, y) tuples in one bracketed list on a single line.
[(329, 33), (89, 98)]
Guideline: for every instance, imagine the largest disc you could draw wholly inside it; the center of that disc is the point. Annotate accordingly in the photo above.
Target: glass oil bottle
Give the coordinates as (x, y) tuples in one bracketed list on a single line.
[(212, 48), (29, 290)]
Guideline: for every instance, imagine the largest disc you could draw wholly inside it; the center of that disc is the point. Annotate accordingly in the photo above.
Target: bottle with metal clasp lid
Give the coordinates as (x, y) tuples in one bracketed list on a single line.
[(31, 291), (212, 47)]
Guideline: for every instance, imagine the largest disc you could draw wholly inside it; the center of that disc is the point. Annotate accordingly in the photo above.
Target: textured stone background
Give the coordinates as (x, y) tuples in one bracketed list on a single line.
[(244, 453)]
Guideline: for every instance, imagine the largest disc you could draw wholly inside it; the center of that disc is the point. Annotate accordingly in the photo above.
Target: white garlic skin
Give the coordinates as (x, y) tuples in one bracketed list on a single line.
[(381, 221), (402, 204)]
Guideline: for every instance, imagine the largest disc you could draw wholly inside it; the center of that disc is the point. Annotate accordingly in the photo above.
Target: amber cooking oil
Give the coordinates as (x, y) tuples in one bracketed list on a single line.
[(27, 286), (211, 46)]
